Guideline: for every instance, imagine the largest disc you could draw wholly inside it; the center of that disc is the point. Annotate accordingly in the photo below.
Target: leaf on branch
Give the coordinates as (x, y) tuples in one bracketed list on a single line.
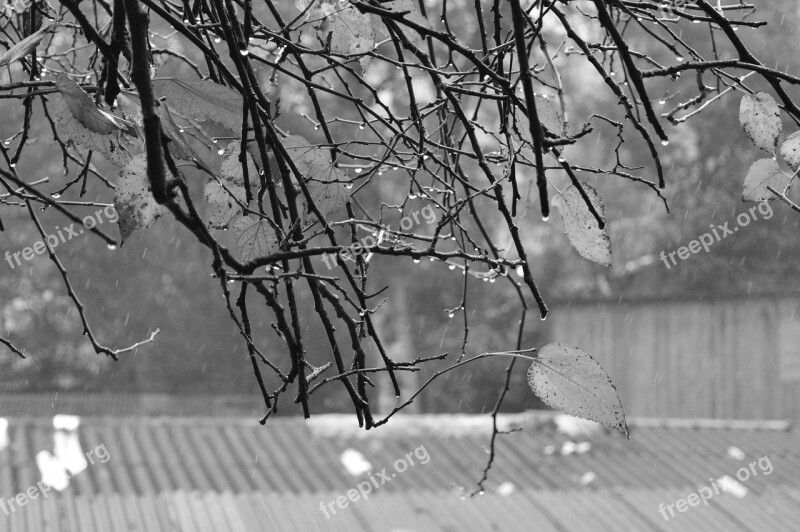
[(764, 173), (25, 46), (349, 30), (203, 100), (412, 14), (131, 108), (549, 117), (86, 112), (255, 238), (790, 150), (178, 147), (570, 380), (69, 129), (323, 179), (760, 117), (580, 226), (134, 200), (232, 171), (223, 198)]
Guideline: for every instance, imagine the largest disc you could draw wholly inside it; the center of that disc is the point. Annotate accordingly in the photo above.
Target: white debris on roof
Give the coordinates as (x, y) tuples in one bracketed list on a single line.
[(734, 487), (3, 433), (355, 463), (506, 488), (444, 425), (66, 422), (52, 472), (734, 453), (574, 427)]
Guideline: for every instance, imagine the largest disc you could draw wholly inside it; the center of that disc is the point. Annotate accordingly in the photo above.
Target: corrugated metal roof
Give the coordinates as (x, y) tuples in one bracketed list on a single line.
[(233, 474)]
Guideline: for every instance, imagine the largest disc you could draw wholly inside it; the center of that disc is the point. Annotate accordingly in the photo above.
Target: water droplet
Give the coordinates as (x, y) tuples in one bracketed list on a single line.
[(562, 159), (665, 143), (450, 315), (544, 318), (662, 102), (217, 40), (520, 271), (112, 247), (679, 58), (316, 128), (180, 130), (214, 140), (416, 261), (492, 280), (55, 195), (358, 170), (432, 259), (220, 152), (412, 196), (244, 53), (348, 186), (362, 126), (545, 218), (452, 266), (13, 165)]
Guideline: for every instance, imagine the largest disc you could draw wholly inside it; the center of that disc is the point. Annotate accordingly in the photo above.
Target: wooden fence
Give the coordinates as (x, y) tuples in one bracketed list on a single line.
[(723, 358)]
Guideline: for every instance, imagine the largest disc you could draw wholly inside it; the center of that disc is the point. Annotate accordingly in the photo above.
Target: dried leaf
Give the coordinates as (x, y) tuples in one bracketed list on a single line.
[(69, 129), (764, 173), (580, 226), (412, 14), (349, 30), (134, 200), (760, 117), (572, 381), (203, 100), (25, 46), (255, 238), (790, 150), (223, 198), (178, 147), (86, 112)]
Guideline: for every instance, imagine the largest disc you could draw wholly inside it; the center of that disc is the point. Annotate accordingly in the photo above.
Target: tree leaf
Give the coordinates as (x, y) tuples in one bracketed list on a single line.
[(760, 117), (134, 200), (412, 14), (323, 179), (232, 171), (25, 46), (255, 238), (70, 129), (763, 173), (86, 112), (580, 226), (790, 150), (203, 100), (572, 381), (178, 147), (349, 30), (223, 198)]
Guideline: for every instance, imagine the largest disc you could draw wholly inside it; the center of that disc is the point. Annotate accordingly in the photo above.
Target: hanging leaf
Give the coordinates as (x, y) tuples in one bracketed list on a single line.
[(69, 129), (86, 112), (764, 173), (255, 238), (760, 117), (134, 200), (349, 30), (25, 46), (131, 108), (232, 171), (412, 14), (203, 100), (572, 381), (580, 226), (225, 199), (178, 147), (790, 150)]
